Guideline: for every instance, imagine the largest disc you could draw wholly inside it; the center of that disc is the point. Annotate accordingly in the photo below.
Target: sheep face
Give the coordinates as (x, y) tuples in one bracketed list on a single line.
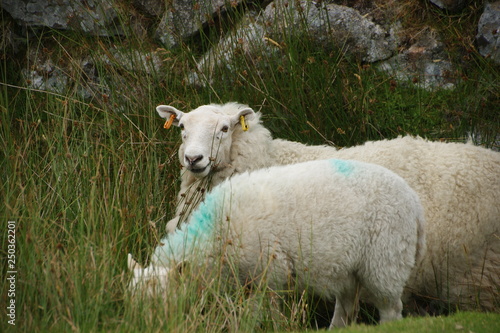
[(206, 135)]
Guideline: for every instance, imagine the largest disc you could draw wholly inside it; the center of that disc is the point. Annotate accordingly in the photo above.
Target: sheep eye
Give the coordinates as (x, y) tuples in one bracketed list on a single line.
[(225, 129), (181, 126)]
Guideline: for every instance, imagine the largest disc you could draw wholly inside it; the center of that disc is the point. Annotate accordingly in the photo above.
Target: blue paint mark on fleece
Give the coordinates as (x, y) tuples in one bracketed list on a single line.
[(194, 234), (342, 166)]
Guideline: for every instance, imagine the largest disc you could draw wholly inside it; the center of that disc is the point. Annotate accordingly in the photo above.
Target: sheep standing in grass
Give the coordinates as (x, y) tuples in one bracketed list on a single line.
[(458, 184), (328, 226)]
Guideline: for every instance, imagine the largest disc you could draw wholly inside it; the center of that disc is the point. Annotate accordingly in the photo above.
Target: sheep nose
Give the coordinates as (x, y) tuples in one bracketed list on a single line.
[(192, 160)]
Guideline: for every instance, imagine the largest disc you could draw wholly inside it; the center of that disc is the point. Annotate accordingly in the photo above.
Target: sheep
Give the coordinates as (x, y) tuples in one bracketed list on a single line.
[(358, 225), (458, 184)]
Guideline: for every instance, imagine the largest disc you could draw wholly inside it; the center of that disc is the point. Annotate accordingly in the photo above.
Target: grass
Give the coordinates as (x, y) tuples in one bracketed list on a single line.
[(460, 322), (88, 180)]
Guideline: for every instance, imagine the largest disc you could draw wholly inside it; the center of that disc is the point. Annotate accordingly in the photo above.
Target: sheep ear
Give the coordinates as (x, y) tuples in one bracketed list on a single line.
[(242, 116), (132, 264), (166, 111)]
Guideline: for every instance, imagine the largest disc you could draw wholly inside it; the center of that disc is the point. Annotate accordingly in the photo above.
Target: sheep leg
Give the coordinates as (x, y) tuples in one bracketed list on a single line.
[(346, 308)]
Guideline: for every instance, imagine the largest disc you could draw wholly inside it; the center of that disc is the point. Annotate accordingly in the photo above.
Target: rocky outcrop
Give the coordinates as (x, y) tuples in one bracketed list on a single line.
[(451, 5), (364, 29), (183, 19), (93, 17), (248, 40), (45, 74), (488, 32), (152, 8), (331, 25), (424, 64), (327, 25)]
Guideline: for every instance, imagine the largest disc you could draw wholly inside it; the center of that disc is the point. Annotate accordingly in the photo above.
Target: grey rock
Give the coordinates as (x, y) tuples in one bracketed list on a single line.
[(451, 5), (247, 40), (134, 61), (152, 8), (184, 18), (260, 35), (331, 24), (45, 75), (424, 64), (488, 32), (93, 16), (90, 82), (59, 77), (165, 33)]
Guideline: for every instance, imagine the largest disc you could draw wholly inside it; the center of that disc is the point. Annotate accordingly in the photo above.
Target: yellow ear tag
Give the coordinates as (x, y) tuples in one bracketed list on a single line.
[(244, 126), (169, 121)]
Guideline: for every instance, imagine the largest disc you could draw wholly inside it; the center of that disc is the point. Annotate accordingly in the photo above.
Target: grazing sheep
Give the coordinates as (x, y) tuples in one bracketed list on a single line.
[(458, 184), (328, 226)]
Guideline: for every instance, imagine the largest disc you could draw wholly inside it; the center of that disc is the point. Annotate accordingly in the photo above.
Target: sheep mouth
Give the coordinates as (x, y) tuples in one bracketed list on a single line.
[(198, 170)]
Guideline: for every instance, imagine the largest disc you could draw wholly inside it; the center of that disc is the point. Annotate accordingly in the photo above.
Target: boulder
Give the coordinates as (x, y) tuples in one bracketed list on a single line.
[(152, 8), (488, 32), (424, 64), (450, 5), (366, 30), (44, 74), (184, 18), (331, 24), (247, 40), (96, 17), (60, 76), (327, 25)]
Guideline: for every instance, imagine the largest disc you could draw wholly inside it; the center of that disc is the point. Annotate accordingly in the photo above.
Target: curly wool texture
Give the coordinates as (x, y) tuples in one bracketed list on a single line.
[(458, 185), (364, 226)]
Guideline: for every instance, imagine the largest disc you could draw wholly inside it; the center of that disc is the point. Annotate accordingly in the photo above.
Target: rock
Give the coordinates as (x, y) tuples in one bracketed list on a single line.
[(450, 5), (331, 24), (90, 86), (165, 33), (366, 30), (44, 74), (423, 64), (488, 32), (327, 25), (152, 8), (247, 40), (96, 17), (59, 77), (133, 60), (185, 18)]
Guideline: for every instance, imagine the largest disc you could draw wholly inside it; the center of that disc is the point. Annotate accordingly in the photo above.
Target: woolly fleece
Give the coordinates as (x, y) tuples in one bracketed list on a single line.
[(364, 226)]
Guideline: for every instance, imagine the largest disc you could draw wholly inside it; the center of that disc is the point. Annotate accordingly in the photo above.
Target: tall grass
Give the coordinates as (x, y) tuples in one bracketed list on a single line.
[(88, 180)]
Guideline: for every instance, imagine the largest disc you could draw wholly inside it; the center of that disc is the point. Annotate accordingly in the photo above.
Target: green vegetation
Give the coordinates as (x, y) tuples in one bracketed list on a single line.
[(460, 322), (89, 180)]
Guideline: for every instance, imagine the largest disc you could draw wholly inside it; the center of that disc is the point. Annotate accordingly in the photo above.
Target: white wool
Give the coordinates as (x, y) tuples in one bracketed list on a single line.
[(458, 185), (328, 226)]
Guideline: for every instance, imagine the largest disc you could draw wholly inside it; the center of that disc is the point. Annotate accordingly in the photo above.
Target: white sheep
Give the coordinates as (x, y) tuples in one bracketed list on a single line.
[(458, 184), (329, 226)]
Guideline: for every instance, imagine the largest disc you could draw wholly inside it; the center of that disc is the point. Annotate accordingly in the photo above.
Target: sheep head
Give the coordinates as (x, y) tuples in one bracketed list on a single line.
[(154, 279), (149, 280), (207, 134)]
